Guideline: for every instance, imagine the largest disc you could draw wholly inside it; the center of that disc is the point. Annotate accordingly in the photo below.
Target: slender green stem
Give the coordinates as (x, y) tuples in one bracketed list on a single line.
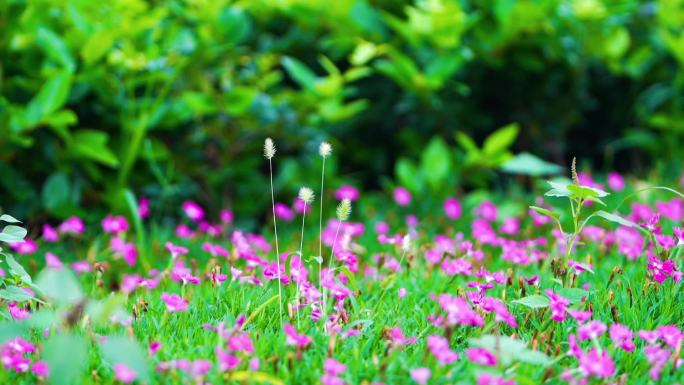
[(299, 270), (275, 232)]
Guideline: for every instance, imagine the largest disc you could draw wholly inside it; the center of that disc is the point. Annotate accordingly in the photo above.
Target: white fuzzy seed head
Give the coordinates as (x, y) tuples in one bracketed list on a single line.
[(269, 148), (406, 243), (306, 194), (325, 149), (344, 210)]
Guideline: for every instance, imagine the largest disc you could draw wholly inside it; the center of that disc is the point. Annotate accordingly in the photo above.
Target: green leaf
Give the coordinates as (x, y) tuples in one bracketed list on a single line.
[(510, 349), (435, 162), (299, 72), (558, 190), (67, 357), (546, 212), (586, 192), (408, 175), (92, 144), (572, 294), (55, 48), (239, 99), (97, 46), (467, 143), (534, 301), (12, 233), (121, 350), (15, 293), (528, 164), (17, 270), (56, 192), (617, 219), (51, 97), (60, 286), (9, 219), (10, 330), (500, 140)]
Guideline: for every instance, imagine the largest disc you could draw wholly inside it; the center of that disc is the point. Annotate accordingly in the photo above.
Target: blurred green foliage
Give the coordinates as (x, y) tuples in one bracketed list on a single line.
[(173, 99)]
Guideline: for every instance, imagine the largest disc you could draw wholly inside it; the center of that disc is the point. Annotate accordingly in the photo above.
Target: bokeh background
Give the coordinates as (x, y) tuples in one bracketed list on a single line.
[(172, 100)]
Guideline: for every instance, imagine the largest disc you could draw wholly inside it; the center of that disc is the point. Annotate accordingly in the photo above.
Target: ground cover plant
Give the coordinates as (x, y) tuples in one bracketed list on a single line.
[(578, 282)]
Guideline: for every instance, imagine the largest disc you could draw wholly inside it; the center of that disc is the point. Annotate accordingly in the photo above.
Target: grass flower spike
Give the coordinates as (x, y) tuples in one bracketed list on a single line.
[(306, 194), (344, 210), (269, 149), (325, 149)]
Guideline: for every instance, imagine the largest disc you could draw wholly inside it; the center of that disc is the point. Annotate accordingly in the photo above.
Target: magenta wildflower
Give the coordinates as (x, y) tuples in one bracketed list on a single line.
[(17, 312), (114, 224), (347, 192), (193, 211), (125, 250), (558, 305), (283, 212), (124, 374), (487, 211), (597, 364), (402, 196), (481, 356), (144, 208), (401, 292), (452, 208), (615, 181), (72, 225), (155, 346), (27, 246), (591, 330), (40, 369), (293, 338), (331, 371), (174, 302), (621, 337), (52, 261), (50, 234), (420, 375), (439, 347), (489, 379)]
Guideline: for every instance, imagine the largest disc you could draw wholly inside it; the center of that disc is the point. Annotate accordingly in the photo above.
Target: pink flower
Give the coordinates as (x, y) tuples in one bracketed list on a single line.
[(439, 347), (510, 226), (154, 347), (489, 379), (40, 369), (226, 216), (227, 360), (183, 231), (621, 337), (452, 208), (558, 305), (347, 192), (615, 181), (487, 211), (283, 212), (499, 308), (402, 196), (300, 206), (402, 293), (18, 313), (331, 370), (420, 375), (125, 250), (481, 356), (124, 374), (52, 261), (174, 303), (591, 330), (598, 364), (175, 250), (50, 234), (114, 224), (193, 211), (72, 225), (293, 338), (27, 246), (144, 208)]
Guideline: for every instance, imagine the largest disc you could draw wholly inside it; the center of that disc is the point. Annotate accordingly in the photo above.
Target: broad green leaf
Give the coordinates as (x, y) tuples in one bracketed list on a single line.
[(97, 45), (55, 48), (299, 72), (408, 175), (67, 357), (246, 376), (573, 294), (533, 357), (17, 270), (558, 190), (586, 192), (509, 349), (60, 286), (122, 350), (239, 99), (12, 233), (56, 192), (534, 301), (436, 162), (546, 212), (9, 219), (51, 97), (500, 140), (617, 219), (528, 164), (468, 144), (92, 144), (15, 293)]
